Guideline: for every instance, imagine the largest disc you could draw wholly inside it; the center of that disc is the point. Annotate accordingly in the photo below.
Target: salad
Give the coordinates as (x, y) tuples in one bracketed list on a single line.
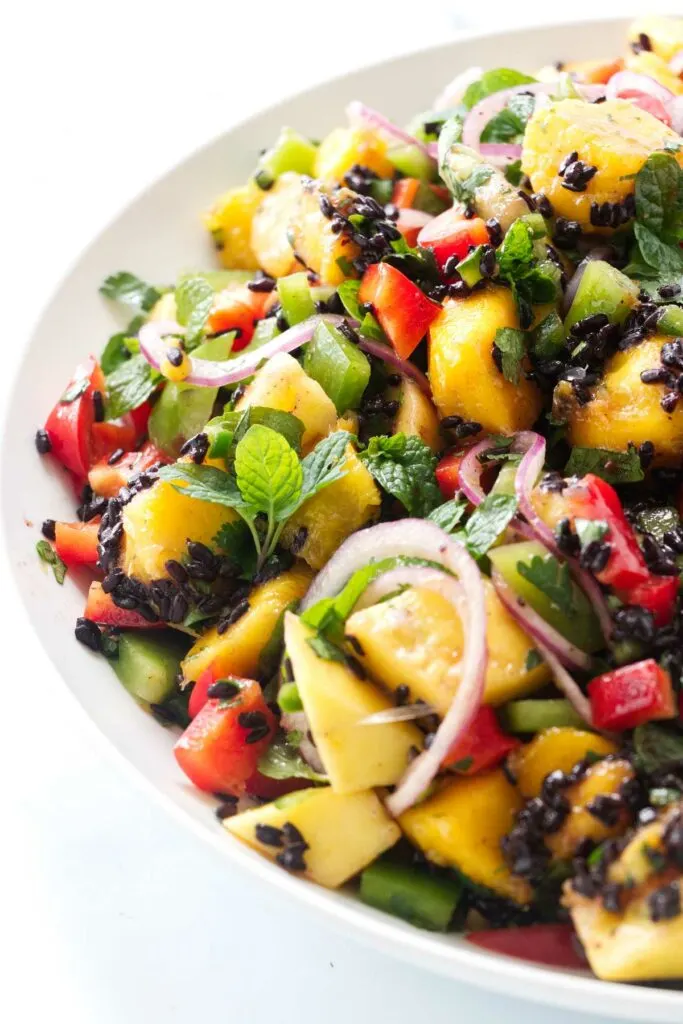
[(384, 515)]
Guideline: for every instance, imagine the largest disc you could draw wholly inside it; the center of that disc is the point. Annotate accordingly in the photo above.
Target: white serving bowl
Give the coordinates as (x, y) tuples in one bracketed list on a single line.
[(158, 235)]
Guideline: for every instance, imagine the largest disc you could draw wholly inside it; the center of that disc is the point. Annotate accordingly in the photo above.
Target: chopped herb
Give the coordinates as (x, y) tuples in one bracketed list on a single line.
[(514, 173), (552, 578), (488, 521), (130, 290), (511, 344), (449, 515), (129, 385), (282, 760), (403, 465), (494, 81), (48, 554), (612, 466), (463, 765), (657, 747), (194, 298), (533, 659), (75, 391)]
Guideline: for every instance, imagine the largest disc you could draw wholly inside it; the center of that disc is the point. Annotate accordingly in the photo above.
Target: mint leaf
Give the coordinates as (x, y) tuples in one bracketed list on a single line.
[(509, 124), (513, 173), (516, 254), (404, 466), (130, 290), (590, 530), (512, 347), (75, 391), (614, 467), (268, 473), (494, 81), (369, 327), (206, 483), (324, 464), (552, 578), (659, 197), (236, 541), (129, 385), (449, 515), (533, 659), (665, 259), (194, 298), (47, 554), (282, 760), (657, 746), (488, 521)]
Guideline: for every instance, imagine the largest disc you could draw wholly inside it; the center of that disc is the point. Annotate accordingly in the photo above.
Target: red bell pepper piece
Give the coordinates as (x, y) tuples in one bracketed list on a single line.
[(452, 234), (657, 595), (199, 694), (403, 311), (100, 608), (631, 695), (551, 944), (410, 223), (483, 746), (404, 193), (238, 309), (76, 543), (107, 480), (69, 425), (220, 749), (112, 434), (448, 472)]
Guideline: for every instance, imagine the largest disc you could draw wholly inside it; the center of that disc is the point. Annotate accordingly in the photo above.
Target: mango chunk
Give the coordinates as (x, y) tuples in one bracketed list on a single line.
[(465, 380), (344, 147), (269, 238), (230, 223), (344, 833), (665, 35), (602, 779), (556, 749), (416, 640)]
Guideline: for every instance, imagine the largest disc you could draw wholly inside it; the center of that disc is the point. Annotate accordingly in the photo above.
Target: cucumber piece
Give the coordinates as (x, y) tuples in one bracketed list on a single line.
[(536, 224), (527, 716), (671, 321), (295, 297), (581, 627), (182, 409), (470, 269), (505, 481), (428, 201), (421, 899), (148, 663), (413, 162), (341, 369), (291, 152), (548, 337), (602, 289), (382, 189)]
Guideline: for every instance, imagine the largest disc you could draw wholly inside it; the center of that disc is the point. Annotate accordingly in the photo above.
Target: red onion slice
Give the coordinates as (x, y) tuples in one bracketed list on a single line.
[(205, 373), (623, 81), (455, 90), (418, 538), (536, 626), (501, 151), (675, 110), (471, 471), (297, 721), (361, 115), (403, 713)]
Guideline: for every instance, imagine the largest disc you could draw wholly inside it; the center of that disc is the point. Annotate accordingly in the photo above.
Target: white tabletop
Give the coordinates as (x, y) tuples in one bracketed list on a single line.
[(111, 911)]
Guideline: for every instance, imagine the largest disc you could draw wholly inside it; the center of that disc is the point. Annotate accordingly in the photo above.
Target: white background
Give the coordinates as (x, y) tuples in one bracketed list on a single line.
[(109, 910)]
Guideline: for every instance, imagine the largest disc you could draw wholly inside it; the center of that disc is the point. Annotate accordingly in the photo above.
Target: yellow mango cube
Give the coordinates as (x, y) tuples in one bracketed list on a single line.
[(237, 651), (230, 222), (604, 778), (465, 380), (269, 238), (344, 147), (558, 748), (665, 35)]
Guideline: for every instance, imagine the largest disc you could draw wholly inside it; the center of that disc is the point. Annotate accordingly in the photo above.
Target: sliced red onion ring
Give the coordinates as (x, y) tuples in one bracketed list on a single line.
[(205, 373), (403, 713), (360, 114), (536, 626), (566, 684), (504, 152), (480, 115), (471, 471), (676, 63), (418, 538), (455, 90), (626, 80)]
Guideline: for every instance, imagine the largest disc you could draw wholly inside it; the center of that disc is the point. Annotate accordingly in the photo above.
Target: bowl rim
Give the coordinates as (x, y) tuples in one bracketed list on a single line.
[(537, 983)]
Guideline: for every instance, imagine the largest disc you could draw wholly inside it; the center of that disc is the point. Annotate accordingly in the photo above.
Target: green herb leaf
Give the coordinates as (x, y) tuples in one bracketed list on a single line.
[(509, 124), (657, 746), (130, 290), (194, 298), (514, 173), (324, 464), (449, 515), (488, 521), (516, 254), (48, 554), (552, 578), (236, 541), (512, 347), (268, 473), (614, 467), (463, 765), (404, 466), (75, 391), (282, 760), (129, 385), (663, 258), (325, 649), (533, 659), (284, 423), (494, 81), (662, 796), (206, 483), (590, 530), (659, 197)]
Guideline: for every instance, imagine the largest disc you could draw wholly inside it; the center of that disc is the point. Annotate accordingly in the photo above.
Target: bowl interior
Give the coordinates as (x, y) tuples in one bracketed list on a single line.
[(158, 236)]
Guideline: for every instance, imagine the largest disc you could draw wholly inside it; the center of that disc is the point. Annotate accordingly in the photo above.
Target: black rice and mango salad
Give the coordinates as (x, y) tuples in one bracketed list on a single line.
[(385, 514)]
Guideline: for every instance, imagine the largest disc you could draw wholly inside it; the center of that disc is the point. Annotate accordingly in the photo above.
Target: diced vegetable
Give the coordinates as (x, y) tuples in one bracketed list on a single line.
[(70, 423), (452, 234), (404, 312), (427, 901), (529, 716), (147, 663), (344, 147), (100, 608), (295, 297), (76, 543), (339, 366), (602, 289), (107, 479), (483, 746), (290, 152), (632, 695), (220, 749), (553, 945)]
